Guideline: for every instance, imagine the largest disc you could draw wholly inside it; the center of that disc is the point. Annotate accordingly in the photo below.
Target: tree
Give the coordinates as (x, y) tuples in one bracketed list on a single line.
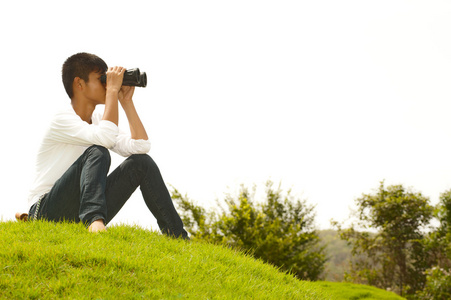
[(438, 277), (394, 256), (280, 230)]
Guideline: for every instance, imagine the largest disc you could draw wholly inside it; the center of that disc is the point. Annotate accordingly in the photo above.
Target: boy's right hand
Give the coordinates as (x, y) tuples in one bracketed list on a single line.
[(114, 77)]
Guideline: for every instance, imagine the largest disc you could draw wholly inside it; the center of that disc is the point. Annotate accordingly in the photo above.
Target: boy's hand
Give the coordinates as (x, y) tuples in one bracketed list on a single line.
[(126, 94), (114, 77)]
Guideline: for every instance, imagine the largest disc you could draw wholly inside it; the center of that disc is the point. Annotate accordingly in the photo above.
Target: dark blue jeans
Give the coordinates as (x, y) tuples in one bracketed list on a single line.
[(85, 193)]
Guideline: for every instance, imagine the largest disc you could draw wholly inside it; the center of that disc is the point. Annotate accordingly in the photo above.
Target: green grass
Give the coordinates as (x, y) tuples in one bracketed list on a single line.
[(344, 290), (43, 260)]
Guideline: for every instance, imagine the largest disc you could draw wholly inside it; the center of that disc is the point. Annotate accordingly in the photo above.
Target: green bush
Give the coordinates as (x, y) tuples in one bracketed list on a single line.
[(278, 230), (438, 285)]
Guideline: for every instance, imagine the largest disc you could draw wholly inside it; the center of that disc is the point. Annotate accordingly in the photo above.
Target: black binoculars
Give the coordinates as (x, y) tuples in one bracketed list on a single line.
[(132, 77)]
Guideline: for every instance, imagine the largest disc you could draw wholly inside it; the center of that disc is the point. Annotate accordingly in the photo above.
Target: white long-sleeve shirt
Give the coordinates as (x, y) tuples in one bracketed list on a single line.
[(67, 138)]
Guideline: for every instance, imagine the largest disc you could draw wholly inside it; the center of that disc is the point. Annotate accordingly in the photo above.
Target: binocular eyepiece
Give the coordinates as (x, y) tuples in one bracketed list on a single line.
[(132, 77)]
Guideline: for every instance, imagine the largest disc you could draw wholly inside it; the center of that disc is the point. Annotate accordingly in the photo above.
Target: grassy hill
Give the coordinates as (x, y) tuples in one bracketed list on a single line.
[(41, 260)]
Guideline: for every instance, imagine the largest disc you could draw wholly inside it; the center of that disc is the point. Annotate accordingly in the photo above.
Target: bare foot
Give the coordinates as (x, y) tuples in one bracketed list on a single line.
[(21, 216), (97, 226)]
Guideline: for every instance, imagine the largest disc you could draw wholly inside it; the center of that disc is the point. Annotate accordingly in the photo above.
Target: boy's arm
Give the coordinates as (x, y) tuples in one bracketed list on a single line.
[(68, 128), (115, 76), (137, 130)]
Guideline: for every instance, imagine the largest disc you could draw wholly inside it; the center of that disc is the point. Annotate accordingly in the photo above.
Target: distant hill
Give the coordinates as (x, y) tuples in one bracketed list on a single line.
[(338, 254)]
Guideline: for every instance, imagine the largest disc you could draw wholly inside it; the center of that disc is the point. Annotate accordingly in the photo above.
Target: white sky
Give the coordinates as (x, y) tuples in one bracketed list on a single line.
[(328, 97)]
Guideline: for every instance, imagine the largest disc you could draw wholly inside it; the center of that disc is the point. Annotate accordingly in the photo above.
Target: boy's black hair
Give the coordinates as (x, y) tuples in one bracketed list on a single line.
[(80, 65)]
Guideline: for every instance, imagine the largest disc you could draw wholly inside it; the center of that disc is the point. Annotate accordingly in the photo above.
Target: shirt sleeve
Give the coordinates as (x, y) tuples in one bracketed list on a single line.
[(69, 128), (127, 146)]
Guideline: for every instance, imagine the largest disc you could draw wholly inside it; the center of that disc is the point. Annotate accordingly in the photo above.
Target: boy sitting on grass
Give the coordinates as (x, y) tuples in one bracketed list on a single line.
[(72, 181)]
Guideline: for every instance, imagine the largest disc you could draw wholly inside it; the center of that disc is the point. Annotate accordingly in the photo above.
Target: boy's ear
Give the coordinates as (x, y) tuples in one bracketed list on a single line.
[(78, 83)]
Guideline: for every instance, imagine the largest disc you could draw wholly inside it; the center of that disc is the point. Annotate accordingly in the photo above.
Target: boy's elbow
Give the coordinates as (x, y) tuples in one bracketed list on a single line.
[(145, 147), (109, 140), (141, 146), (109, 144), (107, 135)]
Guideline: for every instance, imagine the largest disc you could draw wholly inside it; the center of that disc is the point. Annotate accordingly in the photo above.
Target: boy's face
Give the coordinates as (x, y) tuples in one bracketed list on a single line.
[(95, 89)]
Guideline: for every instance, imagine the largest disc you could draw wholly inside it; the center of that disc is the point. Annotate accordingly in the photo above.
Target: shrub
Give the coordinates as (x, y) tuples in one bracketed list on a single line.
[(279, 230)]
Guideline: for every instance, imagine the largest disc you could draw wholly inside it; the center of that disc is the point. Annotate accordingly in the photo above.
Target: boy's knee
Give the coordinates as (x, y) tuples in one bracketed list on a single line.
[(99, 152), (142, 159)]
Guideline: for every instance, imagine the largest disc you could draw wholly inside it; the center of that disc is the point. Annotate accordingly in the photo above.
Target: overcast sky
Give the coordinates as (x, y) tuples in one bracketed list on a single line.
[(327, 97)]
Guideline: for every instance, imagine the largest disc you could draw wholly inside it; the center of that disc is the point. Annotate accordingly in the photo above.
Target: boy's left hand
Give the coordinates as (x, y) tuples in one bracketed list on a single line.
[(126, 93)]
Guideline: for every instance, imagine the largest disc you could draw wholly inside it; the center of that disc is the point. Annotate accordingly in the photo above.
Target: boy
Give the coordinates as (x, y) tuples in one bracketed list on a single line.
[(73, 161)]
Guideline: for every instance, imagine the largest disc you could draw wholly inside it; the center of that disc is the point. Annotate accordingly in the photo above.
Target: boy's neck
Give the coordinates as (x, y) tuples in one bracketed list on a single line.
[(83, 110)]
